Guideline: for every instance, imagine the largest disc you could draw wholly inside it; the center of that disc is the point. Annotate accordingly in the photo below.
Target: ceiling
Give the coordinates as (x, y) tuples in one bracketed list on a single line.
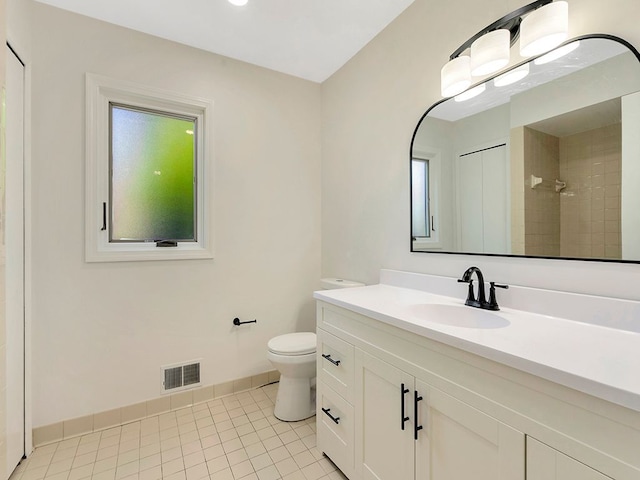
[(310, 39)]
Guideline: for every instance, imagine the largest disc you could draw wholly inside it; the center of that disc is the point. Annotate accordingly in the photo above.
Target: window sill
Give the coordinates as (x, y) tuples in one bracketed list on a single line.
[(147, 252)]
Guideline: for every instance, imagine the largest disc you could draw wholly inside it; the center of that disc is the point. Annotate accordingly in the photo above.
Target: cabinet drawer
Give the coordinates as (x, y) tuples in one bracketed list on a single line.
[(335, 363), (335, 422)]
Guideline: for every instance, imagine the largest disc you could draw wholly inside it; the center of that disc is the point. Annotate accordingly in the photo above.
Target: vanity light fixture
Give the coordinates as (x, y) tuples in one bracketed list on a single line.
[(238, 3), (541, 26), (512, 76), (557, 53)]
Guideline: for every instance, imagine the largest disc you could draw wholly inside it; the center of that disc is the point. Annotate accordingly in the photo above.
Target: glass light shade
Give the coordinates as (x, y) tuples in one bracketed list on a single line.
[(455, 76), (490, 52), (544, 29), (469, 94), (238, 3), (557, 53), (512, 76)]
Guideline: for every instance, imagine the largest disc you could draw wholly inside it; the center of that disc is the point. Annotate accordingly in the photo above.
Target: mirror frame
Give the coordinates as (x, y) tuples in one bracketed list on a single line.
[(488, 79)]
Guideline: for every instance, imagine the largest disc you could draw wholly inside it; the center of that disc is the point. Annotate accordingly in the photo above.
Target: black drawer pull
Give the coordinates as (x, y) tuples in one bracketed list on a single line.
[(336, 420), (403, 392), (417, 428), (328, 357)]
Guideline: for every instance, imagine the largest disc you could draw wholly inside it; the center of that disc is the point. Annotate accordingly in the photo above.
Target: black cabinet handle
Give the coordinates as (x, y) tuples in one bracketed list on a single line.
[(403, 392), (328, 357), (416, 428), (336, 420)]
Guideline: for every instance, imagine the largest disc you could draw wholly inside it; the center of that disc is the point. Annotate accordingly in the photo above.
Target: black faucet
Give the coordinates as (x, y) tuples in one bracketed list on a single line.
[(481, 301)]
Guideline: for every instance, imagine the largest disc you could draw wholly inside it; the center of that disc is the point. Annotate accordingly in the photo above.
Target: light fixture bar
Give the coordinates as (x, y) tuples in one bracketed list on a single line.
[(510, 22)]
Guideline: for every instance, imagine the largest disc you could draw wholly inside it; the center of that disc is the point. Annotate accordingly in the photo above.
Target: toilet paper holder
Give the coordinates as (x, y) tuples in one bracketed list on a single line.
[(236, 321)]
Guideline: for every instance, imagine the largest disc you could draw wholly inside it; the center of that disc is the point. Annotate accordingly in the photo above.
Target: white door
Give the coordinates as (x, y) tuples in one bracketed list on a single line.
[(482, 186), (469, 187), (459, 442), (14, 238), (384, 450)]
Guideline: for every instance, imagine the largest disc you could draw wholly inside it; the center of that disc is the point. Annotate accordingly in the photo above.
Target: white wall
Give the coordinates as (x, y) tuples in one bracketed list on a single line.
[(482, 130), (630, 175), (370, 109), (102, 331)]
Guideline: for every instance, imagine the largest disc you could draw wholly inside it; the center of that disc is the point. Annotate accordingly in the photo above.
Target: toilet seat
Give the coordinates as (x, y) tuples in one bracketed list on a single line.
[(301, 343)]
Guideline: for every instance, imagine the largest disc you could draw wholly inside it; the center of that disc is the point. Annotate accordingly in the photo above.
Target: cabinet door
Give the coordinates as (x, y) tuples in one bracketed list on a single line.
[(384, 451), (457, 442), (546, 463)]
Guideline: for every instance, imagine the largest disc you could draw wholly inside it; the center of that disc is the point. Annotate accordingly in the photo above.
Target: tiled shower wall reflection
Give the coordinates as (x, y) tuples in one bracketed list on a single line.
[(542, 204), (583, 219), (590, 206)]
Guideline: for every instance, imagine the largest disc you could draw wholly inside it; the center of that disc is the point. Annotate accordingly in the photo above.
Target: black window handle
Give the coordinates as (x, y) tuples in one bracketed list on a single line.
[(104, 216), (416, 428), (336, 420), (328, 357), (403, 392)]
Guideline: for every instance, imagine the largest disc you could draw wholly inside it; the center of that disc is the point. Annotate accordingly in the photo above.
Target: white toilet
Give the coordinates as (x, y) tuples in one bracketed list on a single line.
[(294, 356)]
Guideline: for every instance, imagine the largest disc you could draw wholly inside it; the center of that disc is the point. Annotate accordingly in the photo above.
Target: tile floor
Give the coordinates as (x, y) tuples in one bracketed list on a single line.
[(230, 438)]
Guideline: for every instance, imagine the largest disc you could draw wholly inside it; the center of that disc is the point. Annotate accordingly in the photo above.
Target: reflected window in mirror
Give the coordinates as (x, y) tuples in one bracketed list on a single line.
[(425, 183), (421, 211)]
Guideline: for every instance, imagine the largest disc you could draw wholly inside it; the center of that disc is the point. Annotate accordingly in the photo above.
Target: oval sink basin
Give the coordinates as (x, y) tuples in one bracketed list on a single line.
[(458, 315)]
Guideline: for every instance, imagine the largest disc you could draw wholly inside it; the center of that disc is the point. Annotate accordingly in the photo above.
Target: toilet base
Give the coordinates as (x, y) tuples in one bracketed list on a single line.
[(296, 399)]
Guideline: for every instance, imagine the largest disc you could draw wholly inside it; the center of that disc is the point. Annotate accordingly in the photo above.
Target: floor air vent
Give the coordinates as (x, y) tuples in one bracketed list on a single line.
[(180, 377)]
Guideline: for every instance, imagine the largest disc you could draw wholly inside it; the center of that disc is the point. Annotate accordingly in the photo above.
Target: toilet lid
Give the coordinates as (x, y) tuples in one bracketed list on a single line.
[(293, 343)]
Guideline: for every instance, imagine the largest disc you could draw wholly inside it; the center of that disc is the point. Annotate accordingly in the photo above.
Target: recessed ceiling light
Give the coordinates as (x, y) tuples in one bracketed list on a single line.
[(238, 3)]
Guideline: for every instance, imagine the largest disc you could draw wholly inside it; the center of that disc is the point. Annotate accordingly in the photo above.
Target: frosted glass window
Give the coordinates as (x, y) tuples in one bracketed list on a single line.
[(420, 201), (152, 176)]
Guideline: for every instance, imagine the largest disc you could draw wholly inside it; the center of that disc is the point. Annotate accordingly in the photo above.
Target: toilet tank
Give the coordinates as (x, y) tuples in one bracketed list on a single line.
[(335, 283)]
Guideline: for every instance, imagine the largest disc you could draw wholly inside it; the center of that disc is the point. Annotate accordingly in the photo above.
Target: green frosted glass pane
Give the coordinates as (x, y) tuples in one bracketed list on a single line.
[(152, 176)]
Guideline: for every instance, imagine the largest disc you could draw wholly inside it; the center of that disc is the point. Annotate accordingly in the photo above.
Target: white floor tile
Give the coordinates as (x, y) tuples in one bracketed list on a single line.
[(242, 469), (232, 438)]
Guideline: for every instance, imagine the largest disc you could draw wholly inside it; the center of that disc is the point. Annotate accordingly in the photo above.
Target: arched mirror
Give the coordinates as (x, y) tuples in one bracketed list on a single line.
[(543, 162)]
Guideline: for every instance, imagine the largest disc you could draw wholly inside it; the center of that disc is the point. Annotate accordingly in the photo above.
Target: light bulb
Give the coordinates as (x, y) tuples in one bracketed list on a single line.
[(557, 53), (469, 94), (512, 76)]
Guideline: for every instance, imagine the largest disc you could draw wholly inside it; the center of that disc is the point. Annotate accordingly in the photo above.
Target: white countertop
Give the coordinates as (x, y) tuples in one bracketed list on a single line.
[(594, 359)]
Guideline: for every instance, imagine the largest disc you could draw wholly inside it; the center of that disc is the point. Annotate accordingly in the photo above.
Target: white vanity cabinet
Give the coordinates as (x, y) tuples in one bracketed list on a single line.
[(449, 439), (460, 441), (473, 417), (334, 408), (546, 463), (384, 442)]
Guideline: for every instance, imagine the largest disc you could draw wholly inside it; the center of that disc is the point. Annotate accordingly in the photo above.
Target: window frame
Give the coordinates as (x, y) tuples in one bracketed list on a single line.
[(103, 91), (433, 157)]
